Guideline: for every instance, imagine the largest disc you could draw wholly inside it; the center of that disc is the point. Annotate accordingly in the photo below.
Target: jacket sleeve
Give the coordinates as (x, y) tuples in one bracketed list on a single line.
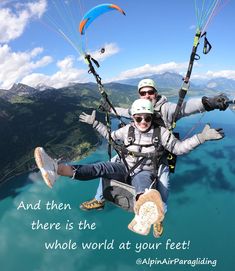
[(176, 146), (190, 107), (103, 131)]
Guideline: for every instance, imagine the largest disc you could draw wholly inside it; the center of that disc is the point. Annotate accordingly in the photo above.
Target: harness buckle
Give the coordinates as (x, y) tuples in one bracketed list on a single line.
[(130, 139), (131, 154), (155, 141)]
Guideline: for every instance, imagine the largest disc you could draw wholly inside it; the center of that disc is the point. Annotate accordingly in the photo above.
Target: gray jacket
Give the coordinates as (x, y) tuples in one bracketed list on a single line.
[(168, 141), (167, 109)]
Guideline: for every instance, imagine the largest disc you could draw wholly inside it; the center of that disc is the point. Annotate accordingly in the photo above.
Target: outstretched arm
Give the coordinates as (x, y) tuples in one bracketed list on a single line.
[(174, 145), (90, 119), (100, 127), (196, 105)]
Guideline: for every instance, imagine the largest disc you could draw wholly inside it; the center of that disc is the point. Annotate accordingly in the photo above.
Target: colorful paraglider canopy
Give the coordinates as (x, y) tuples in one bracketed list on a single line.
[(95, 12)]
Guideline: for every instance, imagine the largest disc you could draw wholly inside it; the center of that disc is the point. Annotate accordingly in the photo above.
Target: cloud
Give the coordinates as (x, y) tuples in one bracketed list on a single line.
[(66, 63), (110, 49), (229, 74), (36, 9), (148, 69), (181, 68), (14, 18), (66, 75), (16, 65)]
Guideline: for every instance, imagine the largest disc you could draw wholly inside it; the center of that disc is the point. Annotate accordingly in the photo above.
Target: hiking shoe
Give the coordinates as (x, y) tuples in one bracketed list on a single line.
[(47, 166), (93, 204), (148, 210), (157, 229)]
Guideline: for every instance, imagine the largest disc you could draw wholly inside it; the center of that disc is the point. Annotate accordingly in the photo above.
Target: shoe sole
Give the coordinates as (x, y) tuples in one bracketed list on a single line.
[(145, 219), (40, 165)]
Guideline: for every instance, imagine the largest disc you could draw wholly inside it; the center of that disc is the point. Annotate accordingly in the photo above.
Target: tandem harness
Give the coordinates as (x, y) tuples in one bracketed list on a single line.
[(156, 156)]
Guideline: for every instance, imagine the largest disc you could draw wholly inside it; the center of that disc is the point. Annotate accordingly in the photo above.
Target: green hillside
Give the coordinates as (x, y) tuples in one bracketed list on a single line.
[(49, 119)]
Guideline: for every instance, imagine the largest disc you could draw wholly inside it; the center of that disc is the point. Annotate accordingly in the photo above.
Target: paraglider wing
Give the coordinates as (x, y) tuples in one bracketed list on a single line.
[(95, 12)]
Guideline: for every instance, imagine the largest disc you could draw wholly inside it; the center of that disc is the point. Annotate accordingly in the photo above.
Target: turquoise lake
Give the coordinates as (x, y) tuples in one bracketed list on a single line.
[(199, 225)]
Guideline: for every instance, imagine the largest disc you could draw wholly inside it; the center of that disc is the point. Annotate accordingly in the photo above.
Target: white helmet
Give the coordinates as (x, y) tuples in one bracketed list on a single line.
[(146, 83), (141, 106)]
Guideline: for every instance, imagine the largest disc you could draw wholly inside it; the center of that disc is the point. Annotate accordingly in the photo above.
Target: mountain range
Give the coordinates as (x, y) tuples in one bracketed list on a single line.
[(166, 82), (171, 80)]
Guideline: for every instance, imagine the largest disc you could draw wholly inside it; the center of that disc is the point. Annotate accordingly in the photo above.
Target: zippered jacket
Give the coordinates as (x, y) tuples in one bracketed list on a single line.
[(144, 143)]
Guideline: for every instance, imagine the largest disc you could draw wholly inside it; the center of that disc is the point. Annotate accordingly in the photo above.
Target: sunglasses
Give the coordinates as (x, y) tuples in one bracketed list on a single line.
[(150, 92), (145, 118)]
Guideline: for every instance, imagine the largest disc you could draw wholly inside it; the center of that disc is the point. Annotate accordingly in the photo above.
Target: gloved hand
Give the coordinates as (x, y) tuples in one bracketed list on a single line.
[(209, 133), (216, 102), (89, 119)]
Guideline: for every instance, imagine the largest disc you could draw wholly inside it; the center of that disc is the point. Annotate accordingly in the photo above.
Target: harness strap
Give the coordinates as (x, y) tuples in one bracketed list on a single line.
[(159, 150), (131, 135), (194, 56), (207, 46), (185, 85), (157, 119), (134, 167), (92, 70)]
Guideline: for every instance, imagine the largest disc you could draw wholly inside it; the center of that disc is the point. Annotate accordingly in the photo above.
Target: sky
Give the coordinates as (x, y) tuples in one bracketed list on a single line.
[(40, 43)]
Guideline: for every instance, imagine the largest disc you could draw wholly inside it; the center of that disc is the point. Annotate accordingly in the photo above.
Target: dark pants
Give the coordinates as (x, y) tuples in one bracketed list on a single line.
[(116, 171)]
